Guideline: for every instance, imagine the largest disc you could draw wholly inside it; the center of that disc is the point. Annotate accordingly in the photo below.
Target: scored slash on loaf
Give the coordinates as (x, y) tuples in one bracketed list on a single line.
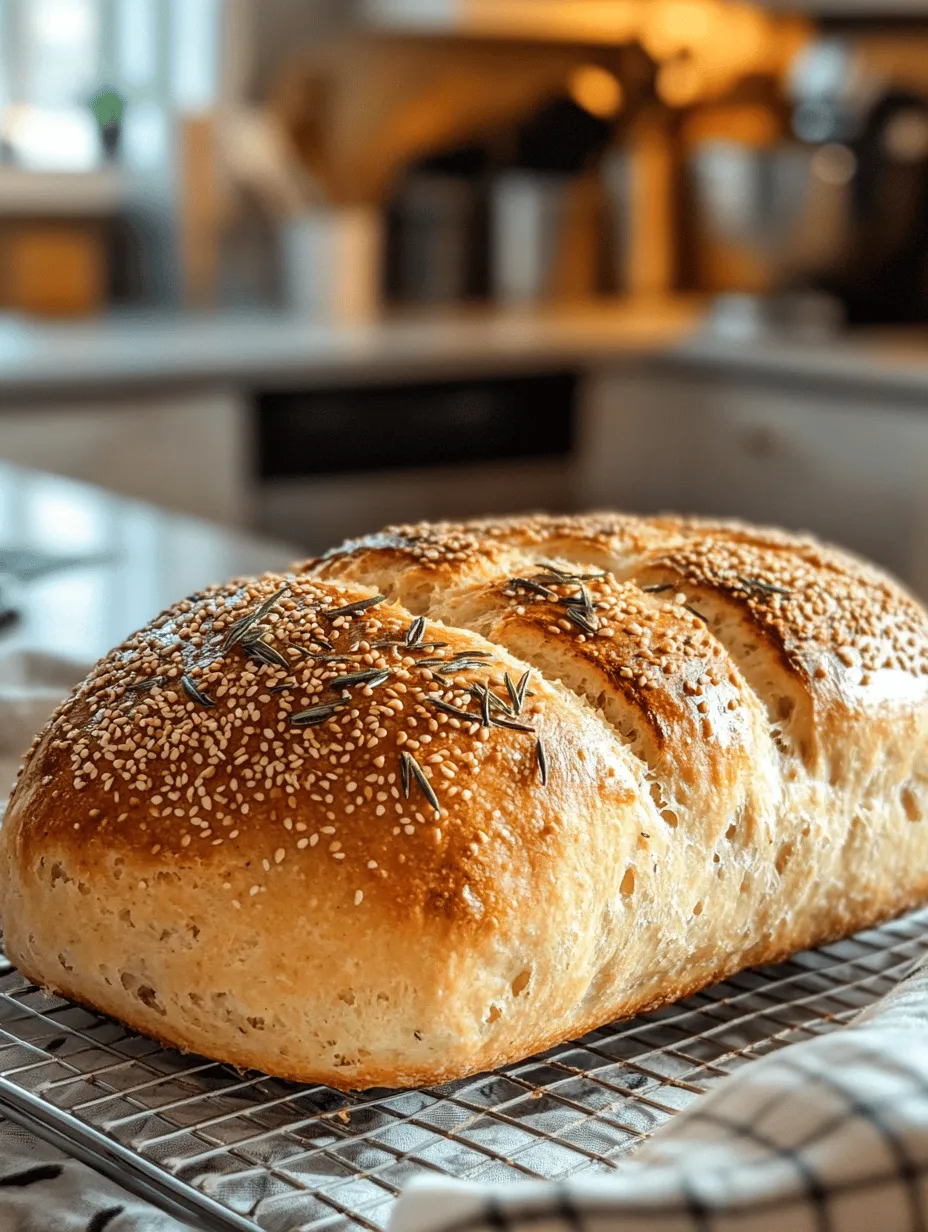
[(453, 793)]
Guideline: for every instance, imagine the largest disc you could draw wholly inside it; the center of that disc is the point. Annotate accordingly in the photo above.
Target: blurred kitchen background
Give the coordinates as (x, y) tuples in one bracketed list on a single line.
[(304, 267)]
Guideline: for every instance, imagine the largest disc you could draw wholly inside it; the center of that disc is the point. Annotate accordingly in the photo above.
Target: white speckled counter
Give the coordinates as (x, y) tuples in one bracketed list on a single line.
[(124, 354), (267, 349), (101, 566)]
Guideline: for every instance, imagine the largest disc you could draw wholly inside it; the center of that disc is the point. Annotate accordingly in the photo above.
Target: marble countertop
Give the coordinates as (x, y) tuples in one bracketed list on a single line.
[(61, 361), (53, 360), (85, 568)]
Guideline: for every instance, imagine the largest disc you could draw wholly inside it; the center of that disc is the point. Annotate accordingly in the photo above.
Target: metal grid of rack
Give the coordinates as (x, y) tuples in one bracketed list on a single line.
[(224, 1150)]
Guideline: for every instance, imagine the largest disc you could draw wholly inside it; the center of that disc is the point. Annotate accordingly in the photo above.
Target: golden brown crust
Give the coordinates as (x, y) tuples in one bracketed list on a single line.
[(569, 769)]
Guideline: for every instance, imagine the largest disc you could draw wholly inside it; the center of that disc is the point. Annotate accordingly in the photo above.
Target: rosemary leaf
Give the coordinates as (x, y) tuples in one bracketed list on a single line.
[(353, 609), (496, 702), (416, 632), (521, 583), (447, 708), (197, 695), (404, 774), (513, 693), (482, 693), (460, 665), (314, 716), (145, 685), (768, 588), (496, 721), (582, 619), (542, 759), (413, 769), (238, 631), (521, 691), (373, 677), (582, 601), (261, 652), (704, 619), (268, 604)]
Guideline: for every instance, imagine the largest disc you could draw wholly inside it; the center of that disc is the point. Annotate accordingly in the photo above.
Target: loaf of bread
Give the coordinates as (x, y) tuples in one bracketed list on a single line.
[(454, 793)]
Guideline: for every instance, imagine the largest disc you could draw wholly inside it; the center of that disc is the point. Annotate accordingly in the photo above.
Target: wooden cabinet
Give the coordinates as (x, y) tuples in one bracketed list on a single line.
[(187, 450), (851, 467)]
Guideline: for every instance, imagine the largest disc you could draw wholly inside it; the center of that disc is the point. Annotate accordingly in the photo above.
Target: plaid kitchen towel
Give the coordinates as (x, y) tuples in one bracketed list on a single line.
[(830, 1135), (42, 1190), (825, 1136)]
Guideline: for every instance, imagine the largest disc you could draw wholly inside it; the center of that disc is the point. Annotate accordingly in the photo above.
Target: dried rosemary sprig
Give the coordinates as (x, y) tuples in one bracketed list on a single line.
[(447, 708), (482, 694), (754, 583), (375, 676), (353, 609), (588, 624), (416, 632), (542, 759), (512, 691), (262, 652), (409, 770), (496, 702), (521, 687), (582, 600), (497, 721), (316, 715), (238, 631), (521, 583), (463, 664), (699, 615), (144, 685), (337, 657), (196, 694), (564, 576)]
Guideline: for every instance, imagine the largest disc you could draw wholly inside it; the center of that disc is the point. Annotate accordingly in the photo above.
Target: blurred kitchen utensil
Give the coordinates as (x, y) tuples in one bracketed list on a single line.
[(259, 158), (616, 176), (766, 217), (360, 108), (651, 193), (436, 237), (807, 317), (544, 236), (331, 258), (202, 201)]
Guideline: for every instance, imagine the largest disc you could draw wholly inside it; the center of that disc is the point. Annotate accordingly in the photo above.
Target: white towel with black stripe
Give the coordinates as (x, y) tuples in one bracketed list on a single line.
[(830, 1135), (42, 1190)]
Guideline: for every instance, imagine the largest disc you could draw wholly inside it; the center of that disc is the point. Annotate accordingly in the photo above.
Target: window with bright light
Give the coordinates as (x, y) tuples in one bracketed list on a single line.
[(56, 55)]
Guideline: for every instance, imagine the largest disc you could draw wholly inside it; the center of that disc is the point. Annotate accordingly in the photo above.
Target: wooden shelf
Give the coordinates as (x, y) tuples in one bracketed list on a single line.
[(609, 22), (52, 194)]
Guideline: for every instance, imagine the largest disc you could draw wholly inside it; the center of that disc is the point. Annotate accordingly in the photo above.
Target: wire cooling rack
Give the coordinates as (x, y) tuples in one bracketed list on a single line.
[(226, 1150)]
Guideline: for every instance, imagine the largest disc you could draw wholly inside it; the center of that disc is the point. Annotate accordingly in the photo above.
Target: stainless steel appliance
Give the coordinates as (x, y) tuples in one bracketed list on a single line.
[(841, 207)]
